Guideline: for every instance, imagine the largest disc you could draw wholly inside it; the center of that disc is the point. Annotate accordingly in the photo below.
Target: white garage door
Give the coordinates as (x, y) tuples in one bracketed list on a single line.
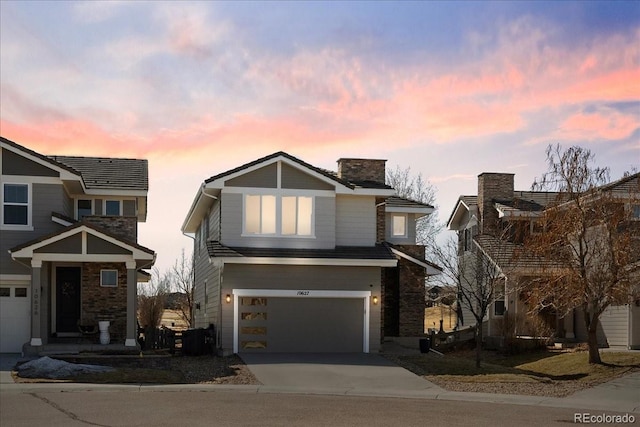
[(15, 318)]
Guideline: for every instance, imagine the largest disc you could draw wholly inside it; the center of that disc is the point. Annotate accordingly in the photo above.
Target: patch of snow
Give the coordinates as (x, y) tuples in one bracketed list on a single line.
[(46, 367)]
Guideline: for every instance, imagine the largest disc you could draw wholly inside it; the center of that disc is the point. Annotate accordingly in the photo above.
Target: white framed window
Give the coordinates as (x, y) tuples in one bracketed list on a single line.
[(297, 215), (109, 278), (281, 215), (399, 225), (260, 214), (84, 207), (112, 208), (16, 206)]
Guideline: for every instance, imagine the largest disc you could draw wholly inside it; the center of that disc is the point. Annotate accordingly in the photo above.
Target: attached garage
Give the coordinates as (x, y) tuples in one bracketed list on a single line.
[(15, 317), (278, 321)]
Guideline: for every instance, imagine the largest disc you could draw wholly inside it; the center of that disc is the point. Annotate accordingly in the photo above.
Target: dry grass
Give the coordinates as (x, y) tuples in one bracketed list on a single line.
[(432, 316), (540, 373)]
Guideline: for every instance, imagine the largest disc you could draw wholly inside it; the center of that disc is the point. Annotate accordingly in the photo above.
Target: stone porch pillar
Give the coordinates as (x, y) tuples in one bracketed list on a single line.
[(132, 305), (36, 333)]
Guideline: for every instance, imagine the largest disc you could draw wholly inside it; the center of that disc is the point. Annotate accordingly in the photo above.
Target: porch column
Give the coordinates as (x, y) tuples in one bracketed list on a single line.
[(36, 336), (132, 303)]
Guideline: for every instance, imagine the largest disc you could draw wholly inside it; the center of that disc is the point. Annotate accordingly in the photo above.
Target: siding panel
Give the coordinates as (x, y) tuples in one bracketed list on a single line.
[(355, 221)]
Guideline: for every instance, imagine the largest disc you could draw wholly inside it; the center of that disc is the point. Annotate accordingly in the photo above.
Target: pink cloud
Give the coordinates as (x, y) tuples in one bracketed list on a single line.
[(603, 125)]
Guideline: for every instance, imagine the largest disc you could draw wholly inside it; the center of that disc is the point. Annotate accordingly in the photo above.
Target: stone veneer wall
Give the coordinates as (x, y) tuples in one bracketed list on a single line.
[(125, 227), (403, 290), (411, 293), (362, 170), (102, 303), (492, 186), (381, 225)]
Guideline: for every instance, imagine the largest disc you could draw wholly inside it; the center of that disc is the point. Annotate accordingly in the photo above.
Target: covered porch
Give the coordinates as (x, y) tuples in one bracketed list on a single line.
[(81, 276)]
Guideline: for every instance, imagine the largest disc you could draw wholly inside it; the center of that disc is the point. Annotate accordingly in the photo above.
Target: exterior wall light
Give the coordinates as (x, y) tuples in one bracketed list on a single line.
[(228, 298), (375, 300)]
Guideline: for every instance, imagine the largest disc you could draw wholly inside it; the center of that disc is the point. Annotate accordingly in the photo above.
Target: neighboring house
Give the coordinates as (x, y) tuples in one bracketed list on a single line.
[(293, 258), (494, 223), (69, 255)]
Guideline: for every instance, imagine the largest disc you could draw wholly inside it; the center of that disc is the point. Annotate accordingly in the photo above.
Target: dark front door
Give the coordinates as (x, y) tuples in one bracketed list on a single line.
[(67, 298)]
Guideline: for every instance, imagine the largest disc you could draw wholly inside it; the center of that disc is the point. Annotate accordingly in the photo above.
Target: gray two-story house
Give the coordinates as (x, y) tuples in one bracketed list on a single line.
[(69, 256), (293, 258), (495, 223)]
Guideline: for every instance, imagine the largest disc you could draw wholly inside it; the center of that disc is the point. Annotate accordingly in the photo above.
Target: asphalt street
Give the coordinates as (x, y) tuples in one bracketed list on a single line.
[(239, 408)]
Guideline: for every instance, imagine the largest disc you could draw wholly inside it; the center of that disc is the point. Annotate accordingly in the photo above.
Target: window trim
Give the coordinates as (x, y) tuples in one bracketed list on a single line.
[(75, 205), (17, 227), (278, 214), (105, 270), (405, 217), (104, 206)]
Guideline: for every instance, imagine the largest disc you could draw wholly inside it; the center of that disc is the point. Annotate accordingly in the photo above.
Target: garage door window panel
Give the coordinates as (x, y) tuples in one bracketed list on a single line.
[(5, 292)]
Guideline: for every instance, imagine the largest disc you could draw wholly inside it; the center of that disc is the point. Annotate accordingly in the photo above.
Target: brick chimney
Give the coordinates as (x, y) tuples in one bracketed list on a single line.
[(492, 186), (358, 170)]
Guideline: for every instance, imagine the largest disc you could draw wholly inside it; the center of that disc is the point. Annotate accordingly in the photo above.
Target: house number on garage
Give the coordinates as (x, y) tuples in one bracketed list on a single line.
[(302, 293)]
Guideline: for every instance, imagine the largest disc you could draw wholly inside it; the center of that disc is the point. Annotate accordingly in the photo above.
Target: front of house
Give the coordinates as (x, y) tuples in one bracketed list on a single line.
[(494, 223), (293, 258), (69, 256)]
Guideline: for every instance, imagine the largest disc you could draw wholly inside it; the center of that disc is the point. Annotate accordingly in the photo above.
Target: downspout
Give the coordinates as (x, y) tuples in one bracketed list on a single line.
[(219, 315)]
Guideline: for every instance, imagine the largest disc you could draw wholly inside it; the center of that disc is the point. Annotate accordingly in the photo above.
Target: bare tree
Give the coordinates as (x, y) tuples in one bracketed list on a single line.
[(587, 239), (415, 187), (477, 277), (181, 277), (151, 301)]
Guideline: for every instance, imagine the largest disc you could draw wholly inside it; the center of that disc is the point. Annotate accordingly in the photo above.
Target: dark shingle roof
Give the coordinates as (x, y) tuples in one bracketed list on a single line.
[(104, 172), (402, 202), (378, 252), (510, 256)]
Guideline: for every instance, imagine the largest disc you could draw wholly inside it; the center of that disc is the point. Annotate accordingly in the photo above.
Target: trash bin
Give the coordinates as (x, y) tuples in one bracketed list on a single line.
[(425, 345), (193, 342)]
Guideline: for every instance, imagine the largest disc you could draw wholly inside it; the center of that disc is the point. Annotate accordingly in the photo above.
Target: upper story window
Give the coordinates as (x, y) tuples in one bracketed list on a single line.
[(16, 205), (467, 239), (85, 208), (112, 208), (266, 214), (635, 211), (260, 214), (399, 225), (297, 215)]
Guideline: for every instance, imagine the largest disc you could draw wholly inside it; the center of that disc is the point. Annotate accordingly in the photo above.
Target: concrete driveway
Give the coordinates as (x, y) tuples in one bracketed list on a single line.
[(331, 372)]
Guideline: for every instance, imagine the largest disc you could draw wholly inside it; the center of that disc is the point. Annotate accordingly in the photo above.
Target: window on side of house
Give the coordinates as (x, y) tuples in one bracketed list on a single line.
[(85, 208), (635, 211), (112, 208), (499, 307), (398, 225), (16, 210), (260, 214), (109, 278), (467, 239)]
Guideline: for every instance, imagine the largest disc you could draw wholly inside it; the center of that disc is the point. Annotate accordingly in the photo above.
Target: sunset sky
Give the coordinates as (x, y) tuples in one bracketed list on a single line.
[(449, 89)]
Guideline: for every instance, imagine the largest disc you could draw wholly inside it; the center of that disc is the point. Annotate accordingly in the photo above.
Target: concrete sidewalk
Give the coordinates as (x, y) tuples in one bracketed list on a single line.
[(619, 395)]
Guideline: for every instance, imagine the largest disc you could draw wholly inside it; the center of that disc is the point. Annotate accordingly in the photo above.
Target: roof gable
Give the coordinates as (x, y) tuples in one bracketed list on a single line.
[(220, 180), (82, 239), (45, 163)]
